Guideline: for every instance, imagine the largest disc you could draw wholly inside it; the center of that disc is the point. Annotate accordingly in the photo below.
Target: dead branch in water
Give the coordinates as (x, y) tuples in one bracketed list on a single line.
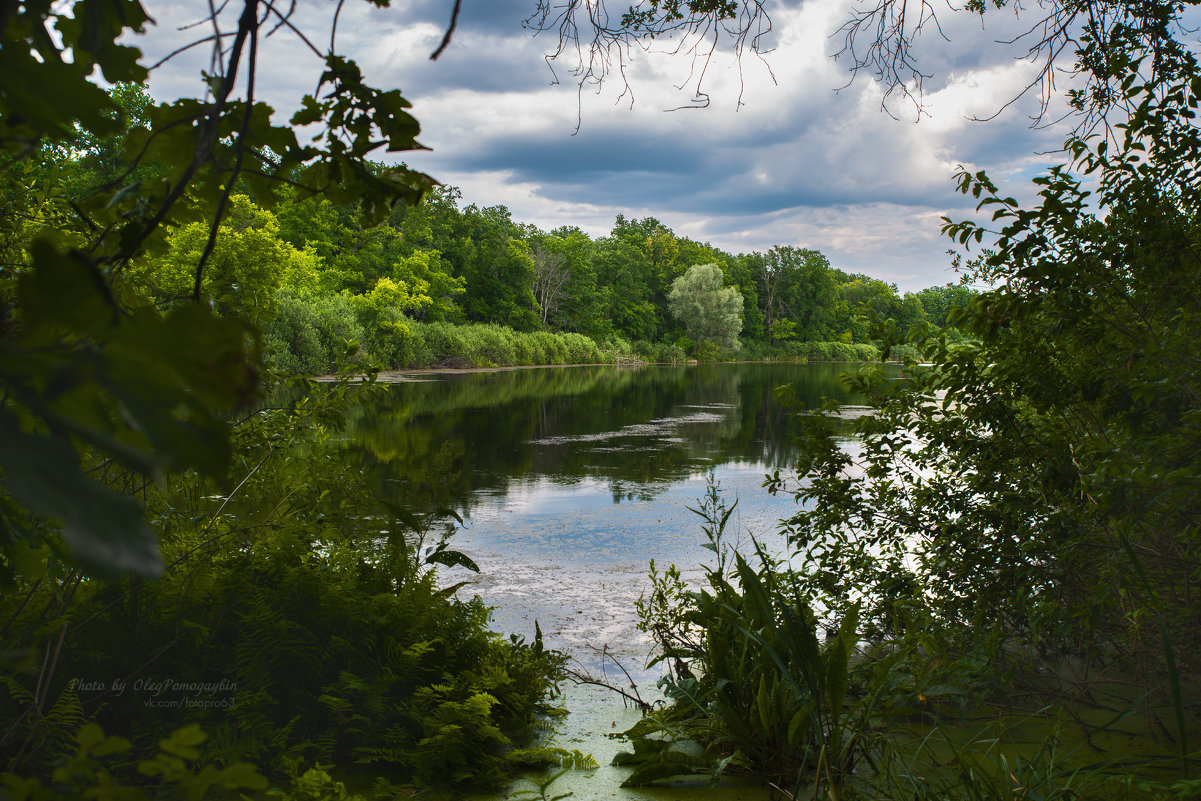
[(584, 677)]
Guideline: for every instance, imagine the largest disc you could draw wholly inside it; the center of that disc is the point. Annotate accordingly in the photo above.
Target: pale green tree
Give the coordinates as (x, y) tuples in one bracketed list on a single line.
[(433, 290), (248, 264), (711, 313)]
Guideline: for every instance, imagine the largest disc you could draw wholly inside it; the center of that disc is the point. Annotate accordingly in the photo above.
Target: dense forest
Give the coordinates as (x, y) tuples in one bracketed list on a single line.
[(442, 283), (993, 585)]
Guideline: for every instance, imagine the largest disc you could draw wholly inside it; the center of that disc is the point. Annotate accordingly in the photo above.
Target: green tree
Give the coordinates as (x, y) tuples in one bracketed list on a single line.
[(938, 301), (623, 271), (662, 262), (864, 296), (353, 258), (425, 273), (114, 383), (90, 162), (250, 264), (711, 313), (498, 269), (1037, 482), (796, 289), (563, 258)]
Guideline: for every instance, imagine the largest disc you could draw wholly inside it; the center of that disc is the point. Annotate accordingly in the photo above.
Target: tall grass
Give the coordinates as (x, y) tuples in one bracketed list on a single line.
[(492, 345), (310, 335), (811, 351)]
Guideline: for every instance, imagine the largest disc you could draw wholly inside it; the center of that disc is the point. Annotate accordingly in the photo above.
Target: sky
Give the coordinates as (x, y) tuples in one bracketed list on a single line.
[(788, 151)]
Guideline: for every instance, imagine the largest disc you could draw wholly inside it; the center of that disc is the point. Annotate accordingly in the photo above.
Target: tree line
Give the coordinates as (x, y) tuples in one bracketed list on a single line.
[(1005, 563), (312, 275)]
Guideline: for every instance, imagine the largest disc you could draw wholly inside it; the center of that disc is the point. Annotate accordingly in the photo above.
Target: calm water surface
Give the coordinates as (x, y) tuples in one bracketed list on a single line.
[(570, 480)]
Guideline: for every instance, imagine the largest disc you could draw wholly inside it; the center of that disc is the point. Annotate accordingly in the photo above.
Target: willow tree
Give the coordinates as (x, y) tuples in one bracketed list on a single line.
[(711, 313)]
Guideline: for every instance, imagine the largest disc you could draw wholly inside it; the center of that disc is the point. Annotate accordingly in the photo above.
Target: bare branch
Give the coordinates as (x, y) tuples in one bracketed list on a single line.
[(599, 46), (454, 21), (1095, 36)]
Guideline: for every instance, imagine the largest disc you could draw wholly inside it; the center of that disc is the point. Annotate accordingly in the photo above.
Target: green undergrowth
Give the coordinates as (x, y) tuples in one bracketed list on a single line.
[(810, 351), (298, 621), (763, 682), (309, 334), (98, 766)]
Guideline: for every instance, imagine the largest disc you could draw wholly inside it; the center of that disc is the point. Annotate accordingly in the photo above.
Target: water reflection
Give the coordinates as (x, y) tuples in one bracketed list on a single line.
[(570, 480), (464, 438)]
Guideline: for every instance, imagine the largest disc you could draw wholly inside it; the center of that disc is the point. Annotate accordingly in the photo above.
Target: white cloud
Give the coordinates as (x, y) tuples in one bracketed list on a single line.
[(797, 163)]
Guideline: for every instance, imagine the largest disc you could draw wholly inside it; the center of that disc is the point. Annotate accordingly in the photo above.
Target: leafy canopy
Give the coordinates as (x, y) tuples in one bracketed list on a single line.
[(712, 314), (92, 376)]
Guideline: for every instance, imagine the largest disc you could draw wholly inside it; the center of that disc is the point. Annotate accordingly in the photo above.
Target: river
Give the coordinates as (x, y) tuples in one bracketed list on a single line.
[(569, 481)]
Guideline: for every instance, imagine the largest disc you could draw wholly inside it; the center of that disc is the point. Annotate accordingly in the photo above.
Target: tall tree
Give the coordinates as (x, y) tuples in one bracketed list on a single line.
[(937, 301), (551, 275), (623, 270), (712, 313), (250, 263), (796, 290), (115, 382), (578, 305), (498, 270)]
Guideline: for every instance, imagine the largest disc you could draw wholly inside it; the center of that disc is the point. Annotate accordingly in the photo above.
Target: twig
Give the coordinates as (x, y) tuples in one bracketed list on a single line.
[(454, 21), (584, 678)]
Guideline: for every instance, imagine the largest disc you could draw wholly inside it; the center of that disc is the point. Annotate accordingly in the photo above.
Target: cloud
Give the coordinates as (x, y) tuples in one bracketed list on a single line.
[(785, 153)]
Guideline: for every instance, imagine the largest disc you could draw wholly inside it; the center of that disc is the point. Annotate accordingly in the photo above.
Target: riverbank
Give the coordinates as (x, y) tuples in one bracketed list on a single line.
[(411, 374), (297, 348)]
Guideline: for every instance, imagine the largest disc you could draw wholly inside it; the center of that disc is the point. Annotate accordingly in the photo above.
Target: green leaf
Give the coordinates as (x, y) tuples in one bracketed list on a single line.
[(183, 741), (241, 775), (451, 558), (837, 662), (65, 289), (671, 766), (103, 529)]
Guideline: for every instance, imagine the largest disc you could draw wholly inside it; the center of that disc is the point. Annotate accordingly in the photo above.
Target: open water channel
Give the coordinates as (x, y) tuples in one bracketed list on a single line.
[(569, 481)]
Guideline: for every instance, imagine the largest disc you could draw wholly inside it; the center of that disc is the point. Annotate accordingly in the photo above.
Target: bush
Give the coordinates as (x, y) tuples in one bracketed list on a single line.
[(866, 353), (386, 334), (308, 335), (707, 352), (554, 351), (297, 624), (419, 351), (661, 352), (524, 348), (305, 339), (904, 352), (616, 347), (581, 349)]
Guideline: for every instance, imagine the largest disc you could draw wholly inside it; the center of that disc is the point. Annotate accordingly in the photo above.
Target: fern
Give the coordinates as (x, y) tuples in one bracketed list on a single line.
[(334, 645)]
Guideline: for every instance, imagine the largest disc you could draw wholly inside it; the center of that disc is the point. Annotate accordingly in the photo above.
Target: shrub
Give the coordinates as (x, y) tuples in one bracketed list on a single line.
[(581, 349), (867, 353), (707, 352), (305, 339), (298, 624), (553, 349), (308, 335), (418, 349), (524, 348), (661, 352)]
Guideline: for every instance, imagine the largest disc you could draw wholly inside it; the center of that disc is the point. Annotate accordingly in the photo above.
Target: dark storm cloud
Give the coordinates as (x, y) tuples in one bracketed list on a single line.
[(798, 164), (482, 64), (478, 16), (685, 178)]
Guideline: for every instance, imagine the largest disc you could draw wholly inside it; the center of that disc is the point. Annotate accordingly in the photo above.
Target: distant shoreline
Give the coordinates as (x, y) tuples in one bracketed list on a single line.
[(400, 374)]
